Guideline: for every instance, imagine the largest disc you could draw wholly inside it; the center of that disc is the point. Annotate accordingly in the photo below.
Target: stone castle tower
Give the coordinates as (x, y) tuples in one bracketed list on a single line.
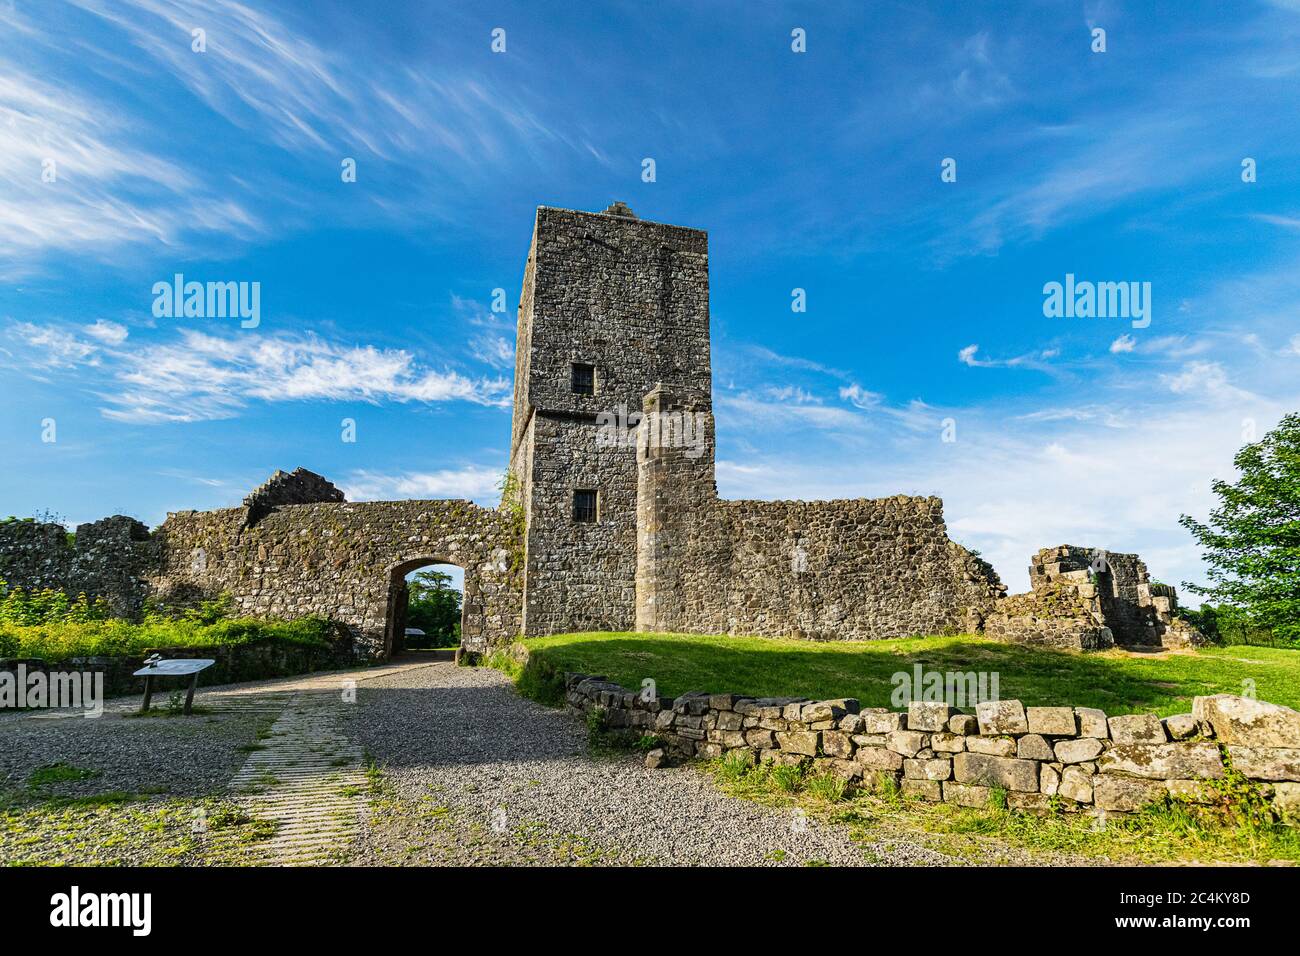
[(611, 307), (625, 530)]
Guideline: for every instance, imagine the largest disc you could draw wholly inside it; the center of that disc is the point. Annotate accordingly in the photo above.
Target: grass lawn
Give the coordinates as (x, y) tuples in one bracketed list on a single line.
[(1116, 681)]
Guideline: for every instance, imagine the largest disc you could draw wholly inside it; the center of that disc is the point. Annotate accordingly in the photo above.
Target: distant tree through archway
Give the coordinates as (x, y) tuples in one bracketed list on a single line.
[(425, 606)]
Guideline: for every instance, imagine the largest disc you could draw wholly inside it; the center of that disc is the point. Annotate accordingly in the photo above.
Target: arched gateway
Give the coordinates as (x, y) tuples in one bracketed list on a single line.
[(282, 556)]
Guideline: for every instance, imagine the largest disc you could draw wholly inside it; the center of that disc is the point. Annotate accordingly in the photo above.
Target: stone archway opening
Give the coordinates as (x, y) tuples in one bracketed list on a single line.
[(426, 606)]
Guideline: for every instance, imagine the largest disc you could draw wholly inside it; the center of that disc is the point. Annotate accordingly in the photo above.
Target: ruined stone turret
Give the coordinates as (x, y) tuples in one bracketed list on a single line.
[(297, 487)]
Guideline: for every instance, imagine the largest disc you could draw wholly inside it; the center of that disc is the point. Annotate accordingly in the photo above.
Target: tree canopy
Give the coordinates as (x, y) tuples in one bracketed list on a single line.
[(1251, 541)]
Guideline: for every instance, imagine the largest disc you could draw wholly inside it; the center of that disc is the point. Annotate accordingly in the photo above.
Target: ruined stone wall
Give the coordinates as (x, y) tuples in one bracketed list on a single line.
[(630, 298), (343, 561), (108, 559), (857, 569), (1069, 759), (1072, 606)]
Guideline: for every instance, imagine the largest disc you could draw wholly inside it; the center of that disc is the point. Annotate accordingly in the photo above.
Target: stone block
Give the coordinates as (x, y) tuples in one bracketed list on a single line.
[(938, 768), (1052, 721), (798, 742), (885, 723), (983, 770), (947, 743), (1034, 746), (1181, 726), (1183, 761), (1266, 763), (761, 739), (878, 758), (1092, 722), (1247, 722), (836, 743), (906, 742), (828, 709), (993, 746), (1113, 792), (1286, 799), (1002, 717), (1137, 729), (928, 715), (1049, 779), (964, 724), (1078, 750), (1076, 785), (729, 720)]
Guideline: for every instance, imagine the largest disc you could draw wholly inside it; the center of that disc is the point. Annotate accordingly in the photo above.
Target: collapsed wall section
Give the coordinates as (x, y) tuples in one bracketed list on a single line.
[(1088, 599)]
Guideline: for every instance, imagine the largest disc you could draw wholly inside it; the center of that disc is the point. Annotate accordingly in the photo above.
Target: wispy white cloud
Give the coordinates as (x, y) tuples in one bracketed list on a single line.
[(1286, 222), (111, 333), (1207, 381), (859, 396), (200, 377), (1038, 359)]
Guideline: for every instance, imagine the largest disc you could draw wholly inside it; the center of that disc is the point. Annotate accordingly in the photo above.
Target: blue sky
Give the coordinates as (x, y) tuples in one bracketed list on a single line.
[(816, 170)]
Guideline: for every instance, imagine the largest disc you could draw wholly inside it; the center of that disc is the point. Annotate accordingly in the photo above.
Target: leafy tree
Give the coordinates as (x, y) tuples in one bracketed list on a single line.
[(1252, 540), (434, 607)]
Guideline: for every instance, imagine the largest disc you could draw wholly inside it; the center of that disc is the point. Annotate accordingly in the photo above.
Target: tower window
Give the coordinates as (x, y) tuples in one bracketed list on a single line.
[(584, 379), (584, 506)]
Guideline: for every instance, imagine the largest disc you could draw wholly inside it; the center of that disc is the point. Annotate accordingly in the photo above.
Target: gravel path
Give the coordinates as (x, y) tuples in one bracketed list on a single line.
[(472, 774), (475, 774)]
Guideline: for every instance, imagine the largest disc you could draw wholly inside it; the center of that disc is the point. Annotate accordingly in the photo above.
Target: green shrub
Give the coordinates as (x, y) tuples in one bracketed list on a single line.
[(118, 638), (27, 608)]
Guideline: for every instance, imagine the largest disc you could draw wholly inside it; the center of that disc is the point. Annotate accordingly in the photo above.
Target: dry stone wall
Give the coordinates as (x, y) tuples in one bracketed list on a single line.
[(1073, 759)]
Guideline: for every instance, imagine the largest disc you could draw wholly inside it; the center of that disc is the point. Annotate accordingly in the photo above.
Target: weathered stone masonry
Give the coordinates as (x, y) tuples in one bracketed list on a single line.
[(338, 560), (613, 326), (347, 562), (1068, 758)]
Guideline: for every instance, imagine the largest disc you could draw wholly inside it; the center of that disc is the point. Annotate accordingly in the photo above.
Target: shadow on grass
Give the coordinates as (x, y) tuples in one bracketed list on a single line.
[(761, 667)]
